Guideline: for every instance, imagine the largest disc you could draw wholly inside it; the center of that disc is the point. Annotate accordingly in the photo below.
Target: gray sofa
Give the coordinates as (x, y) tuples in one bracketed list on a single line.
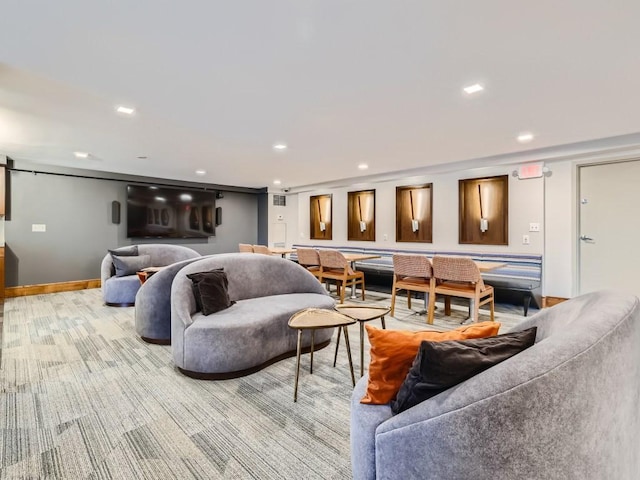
[(153, 305), (566, 408), (121, 291), (253, 332)]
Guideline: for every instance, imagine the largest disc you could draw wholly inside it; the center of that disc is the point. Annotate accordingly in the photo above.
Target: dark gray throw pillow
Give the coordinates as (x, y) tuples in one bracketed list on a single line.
[(210, 290), (441, 365), (129, 265), (130, 251)]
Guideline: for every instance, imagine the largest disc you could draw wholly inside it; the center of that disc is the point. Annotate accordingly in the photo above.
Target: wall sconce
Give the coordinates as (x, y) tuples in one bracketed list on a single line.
[(323, 226), (414, 222), (484, 223), (363, 224)]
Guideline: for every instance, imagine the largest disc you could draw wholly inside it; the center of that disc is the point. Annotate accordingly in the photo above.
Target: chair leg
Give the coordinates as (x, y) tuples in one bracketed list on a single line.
[(476, 310), (492, 308), (409, 299), (527, 302), (431, 308), (343, 287), (393, 299), (447, 306), (362, 288)]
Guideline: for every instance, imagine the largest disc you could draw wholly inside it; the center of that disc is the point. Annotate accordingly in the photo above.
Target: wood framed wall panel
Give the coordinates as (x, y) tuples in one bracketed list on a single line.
[(491, 195), (414, 203), (361, 207), (320, 214)]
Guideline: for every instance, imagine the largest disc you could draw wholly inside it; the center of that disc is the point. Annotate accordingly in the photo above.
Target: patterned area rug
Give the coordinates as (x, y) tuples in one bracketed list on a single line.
[(84, 397)]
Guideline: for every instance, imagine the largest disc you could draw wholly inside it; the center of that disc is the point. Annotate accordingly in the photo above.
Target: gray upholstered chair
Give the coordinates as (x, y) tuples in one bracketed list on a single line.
[(254, 331), (153, 304), (565, 408), (121, 291)]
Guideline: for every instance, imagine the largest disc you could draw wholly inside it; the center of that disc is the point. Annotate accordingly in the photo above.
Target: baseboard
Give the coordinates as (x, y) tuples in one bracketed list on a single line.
[(551, 301), (26, 290)]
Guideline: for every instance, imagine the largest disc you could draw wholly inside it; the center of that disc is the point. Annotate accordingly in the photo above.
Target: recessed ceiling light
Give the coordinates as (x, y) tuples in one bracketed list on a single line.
[(153, 188), (525, 137), (81, 154), (125, 110), (201, 172), (475, 88), (185, 197), (363, 166), (279, 146), (277, 182), (161, 199)]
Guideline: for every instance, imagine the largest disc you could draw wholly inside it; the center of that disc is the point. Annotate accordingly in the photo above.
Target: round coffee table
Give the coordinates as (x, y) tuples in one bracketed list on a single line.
[(361, 313), (314, 319)]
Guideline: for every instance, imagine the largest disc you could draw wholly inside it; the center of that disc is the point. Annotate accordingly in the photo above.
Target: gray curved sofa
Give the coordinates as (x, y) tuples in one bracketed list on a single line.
[(153, 305), (565, 408), (253, 332), (121, 291)]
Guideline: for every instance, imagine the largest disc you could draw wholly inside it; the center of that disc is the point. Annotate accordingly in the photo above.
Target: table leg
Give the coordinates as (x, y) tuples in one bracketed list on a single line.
[(313, 337), (361, 348), (353, 285), (295, 388), (346, 340), (335, 356)]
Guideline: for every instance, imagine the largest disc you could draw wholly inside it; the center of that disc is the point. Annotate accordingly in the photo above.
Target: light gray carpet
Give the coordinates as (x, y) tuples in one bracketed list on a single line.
[(84, 397)]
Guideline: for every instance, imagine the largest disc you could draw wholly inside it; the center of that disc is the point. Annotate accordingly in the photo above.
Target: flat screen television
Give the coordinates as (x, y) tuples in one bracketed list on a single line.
[(164, 212)]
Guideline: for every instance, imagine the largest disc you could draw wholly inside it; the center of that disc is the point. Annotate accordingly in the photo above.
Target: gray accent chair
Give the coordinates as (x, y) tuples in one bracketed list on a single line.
[(121, 291), (153, 305), (566, 408), (252, 333)]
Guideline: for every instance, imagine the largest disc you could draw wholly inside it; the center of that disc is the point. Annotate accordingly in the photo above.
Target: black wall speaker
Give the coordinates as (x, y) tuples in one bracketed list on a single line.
[(218, 216), (115, 212)]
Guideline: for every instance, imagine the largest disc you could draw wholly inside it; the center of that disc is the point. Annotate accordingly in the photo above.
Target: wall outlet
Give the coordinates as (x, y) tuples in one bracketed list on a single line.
[(38, 227), (385, 237), (534, 227), (525, 239)]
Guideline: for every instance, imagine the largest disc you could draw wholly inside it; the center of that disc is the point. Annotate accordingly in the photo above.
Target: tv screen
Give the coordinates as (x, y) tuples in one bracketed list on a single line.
[(163, 212)]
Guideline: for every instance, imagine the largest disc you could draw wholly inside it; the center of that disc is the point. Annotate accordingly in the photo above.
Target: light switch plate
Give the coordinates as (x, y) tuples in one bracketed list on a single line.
[(525, 239), (534, 227)]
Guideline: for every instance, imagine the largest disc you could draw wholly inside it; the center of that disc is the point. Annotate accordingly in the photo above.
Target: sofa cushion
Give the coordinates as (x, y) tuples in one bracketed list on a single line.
[(129, 265), (393, 351), (210, 290), (442, 365), (125, 251)]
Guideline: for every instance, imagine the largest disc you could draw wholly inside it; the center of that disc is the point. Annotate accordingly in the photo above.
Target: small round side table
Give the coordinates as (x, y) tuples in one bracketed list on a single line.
[(361, 314), (313, 319)]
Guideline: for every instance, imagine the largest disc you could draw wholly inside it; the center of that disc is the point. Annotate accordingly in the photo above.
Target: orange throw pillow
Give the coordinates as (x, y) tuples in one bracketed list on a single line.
[(393, 351)]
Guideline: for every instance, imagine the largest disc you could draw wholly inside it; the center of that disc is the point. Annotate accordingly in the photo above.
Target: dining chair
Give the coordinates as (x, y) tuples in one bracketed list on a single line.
[(309, 259), (245, 248), (334, 266), (460, 277), (261, 249), (413, 273)]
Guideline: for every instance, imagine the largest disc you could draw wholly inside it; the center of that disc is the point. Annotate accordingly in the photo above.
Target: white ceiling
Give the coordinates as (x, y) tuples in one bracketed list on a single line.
[(217, 83)]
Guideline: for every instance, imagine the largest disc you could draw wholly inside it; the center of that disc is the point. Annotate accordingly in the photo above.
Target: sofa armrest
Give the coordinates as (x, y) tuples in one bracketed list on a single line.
[(106, 268)]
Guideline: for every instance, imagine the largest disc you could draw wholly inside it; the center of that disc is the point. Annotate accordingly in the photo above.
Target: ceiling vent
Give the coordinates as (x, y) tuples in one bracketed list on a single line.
[(279, 200)]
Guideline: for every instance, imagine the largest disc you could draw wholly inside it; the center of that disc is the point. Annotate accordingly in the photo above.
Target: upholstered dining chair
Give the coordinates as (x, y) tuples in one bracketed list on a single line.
[(334, 266), (261, 249), (460, 277), (413, 273), (309, 259), (245, 248)]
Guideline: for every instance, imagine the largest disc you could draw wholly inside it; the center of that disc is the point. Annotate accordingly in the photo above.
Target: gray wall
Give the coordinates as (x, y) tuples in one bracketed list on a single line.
[(77, 215)]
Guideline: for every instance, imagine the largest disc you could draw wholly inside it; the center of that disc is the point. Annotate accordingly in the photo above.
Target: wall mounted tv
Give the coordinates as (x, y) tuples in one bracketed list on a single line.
[(163, 212)]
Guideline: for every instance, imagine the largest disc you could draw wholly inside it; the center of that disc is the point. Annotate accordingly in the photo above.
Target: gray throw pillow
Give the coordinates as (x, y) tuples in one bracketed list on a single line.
[(125, 251), (129, 265), (441, 365), (210, 290)]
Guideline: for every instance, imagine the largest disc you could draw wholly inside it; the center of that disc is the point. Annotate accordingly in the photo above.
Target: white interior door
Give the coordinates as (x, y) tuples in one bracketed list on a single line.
[(279, 234), (609, 227)]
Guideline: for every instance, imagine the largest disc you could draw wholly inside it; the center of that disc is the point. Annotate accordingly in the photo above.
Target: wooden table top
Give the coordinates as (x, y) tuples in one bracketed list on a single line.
[(310, 318), (281, 250), (355, 257), (363, 313)]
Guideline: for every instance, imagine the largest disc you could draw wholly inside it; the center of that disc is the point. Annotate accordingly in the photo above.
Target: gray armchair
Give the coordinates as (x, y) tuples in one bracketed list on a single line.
[(121, 291), (566, 408)]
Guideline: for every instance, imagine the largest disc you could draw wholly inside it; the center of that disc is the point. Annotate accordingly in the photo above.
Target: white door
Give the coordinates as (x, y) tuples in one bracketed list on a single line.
[(609, 227)]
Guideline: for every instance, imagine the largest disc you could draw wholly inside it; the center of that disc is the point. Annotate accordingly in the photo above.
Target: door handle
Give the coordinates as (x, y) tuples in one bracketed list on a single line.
[(584, 238)]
